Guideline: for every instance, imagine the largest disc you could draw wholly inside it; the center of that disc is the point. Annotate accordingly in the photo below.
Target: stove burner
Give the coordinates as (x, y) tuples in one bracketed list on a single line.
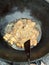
[(3, 62)]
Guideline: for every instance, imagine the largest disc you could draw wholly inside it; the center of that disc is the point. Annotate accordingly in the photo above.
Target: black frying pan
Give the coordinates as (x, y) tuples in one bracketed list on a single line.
[(40, 10)]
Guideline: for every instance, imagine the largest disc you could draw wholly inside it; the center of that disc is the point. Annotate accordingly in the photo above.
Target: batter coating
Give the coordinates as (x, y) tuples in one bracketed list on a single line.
[(19, 32)]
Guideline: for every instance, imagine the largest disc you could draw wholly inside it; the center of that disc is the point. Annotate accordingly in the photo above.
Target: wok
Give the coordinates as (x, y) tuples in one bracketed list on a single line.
[(40, 10)]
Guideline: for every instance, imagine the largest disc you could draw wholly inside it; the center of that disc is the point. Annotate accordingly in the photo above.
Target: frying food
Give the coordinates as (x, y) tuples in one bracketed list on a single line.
[(19, 32)]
